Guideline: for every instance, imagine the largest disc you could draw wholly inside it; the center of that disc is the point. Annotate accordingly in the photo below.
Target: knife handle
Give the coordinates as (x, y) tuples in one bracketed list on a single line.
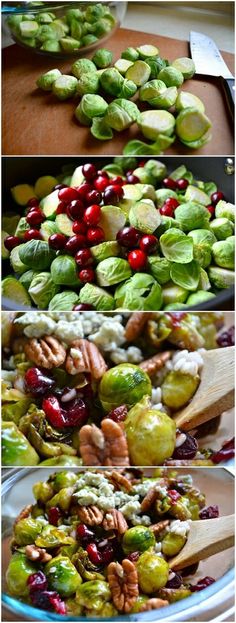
[(229, 89)]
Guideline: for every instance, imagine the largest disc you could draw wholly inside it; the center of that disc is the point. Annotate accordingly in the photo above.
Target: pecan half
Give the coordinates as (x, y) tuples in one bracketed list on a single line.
[(153, 604), (105, 446), (149, 500), (155, 363), (89, 359), (90, 515), (136, 324), (157, 528), (114, 520), (118, 480), (123, 583), (47, 352), (24, 513), (37, 554)]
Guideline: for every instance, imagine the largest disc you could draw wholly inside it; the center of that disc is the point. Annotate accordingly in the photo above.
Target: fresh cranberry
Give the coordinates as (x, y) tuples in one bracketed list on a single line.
[(83, 190), (226, 338), (79, 227), (75, 210), (35, 208), (132, 179), (93, 554), (37, 382), (211, 209), (137, 259), (172, 202), (54, 514), (68, 194), (59, 186), (102, 173), (201, 584), (57, 241), (209, 512), (167, 210), (95, 235), (74, 243), (37, 582), (225, 453), (11, 242), (118, 190), (101, 183), (84, 257), (32, 234), (148, 244), (87, 275), (117, 180), (84, 534), (128, 237), (118, 414), (89, 171), (83, 307), (48, 600), (61, 208), (175, 581), (33, 202), (92, 214), (217, 196), (35, 217), (173, 495), (182, 184), (111, 195), (73, 413), (93, 197), (169, 183), (188, 448), (134, 556)]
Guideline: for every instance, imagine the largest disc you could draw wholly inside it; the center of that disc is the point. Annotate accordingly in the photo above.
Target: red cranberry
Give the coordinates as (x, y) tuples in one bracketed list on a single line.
[(137, 259), (118, 189), (32, 234), (92, 214), (58, 605), (54, 514), (93, 197), (57, 241), (201, 584), (33, 209), (132, 179), (102, 173), (166, 210), (101, 183), (169, 183), (190, 570), (95, 235), (226, 338), (209, 512), (175, 581), (79, 227), (84, 257), (225, 453), (75, 243), (176, 318), (117, 180), (148, 244), (134, 556), (68, 194), (173, 495), (37, 382), (74, 413), (211, 209), (53, 411), (75, 209), (37, 581), (83, 307), (33, 202), (217, 196), (87, 275), (93, 554), (61, 208), (83, 190), (11, 242), (172, 202), (84, 534), (35, 217), (59, 186), (188, 448), (182, 184), (89, 171), (128, 237), (111, 196), (118, 414), (107, 553), (48, 600)]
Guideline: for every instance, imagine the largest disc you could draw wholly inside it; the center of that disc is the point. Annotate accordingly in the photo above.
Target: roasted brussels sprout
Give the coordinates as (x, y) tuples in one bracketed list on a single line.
[(153, 572), (125, 383), (62, 576), (150, 434)]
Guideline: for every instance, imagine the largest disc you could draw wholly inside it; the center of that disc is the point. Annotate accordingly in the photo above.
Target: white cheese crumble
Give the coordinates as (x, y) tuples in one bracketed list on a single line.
[(130, 355), (187, 362), (109, 336), (181, 528), (69, 331), (37, 324)]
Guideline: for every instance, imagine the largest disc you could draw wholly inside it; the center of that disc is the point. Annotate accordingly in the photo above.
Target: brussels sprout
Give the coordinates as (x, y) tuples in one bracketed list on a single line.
[(140, 148), (48, 228), (157, 169), (138, 538), (139, 73), (112, 81), (16, 449), (64, 87), (160, 269), (28, 29), (191, 215), (223, 253), (21, 194), (64, 479), (155, 64), (199, 297), (162, 194), (185, 66), (172, 544), (64, 301), (151, 89), (22, 227), (91, 106), (102, 58), (144, 217), (191, 125), (64, 271), (147, 51), (222, 228), (18, 572), (203, 239), (62, 498), (225, 210), (88, 40), (36, 254), (178, 388), (15, 261), (100, 129), (176, 246), (10, 222), (174, 594), (50, 32), (50, 46), (112, 219), (165, 100), (99, 298), (155, 122), (83, 66), (122, 65), (62, 576), (51, 537), (220, 278), (42, 491), (13, 289), (27, 530), (46, 81), (93, 594), (104, 250), (112, 270), (196, 194), (88, 83), (63, 460), (121, 113), (16, 405), (171, 76), (103, 26), (153, 572), (69, 44), (204, 282), (42, 289), (185, 275), (150, 434), (128, 89), (123, 384), (140, 292), (145, 177), (130, 54)]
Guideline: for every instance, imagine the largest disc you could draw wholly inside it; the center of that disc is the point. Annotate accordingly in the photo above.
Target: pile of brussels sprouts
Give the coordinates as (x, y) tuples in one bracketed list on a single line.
[(76, 581), (145, 242), (142, 73), (78, 28)]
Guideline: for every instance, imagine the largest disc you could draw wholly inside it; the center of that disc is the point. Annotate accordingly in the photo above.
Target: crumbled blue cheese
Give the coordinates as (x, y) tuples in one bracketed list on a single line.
[(76, 353), (109, 336), (156, 395), (37, 324), (181, 528), (130, 355), (187, 362), (142, 520), (69, 331)]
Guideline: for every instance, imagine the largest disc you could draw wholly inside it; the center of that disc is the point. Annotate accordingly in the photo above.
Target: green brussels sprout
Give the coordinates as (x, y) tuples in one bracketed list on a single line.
[(102, 27), (191, 125), (150, 434), (220, 277), (138, 538), (64, 460), (93, 594), (222, 228), (185, 66), (160, 269), (88, 83), (10, 222), (62, 498), (50, 32), (120, 114), (102, 251), (156, 168), (83, 66), (172, 544), (16, 449), (91, 106), (28, 29), (225, 210), (185, 275), (64, 301), (42, 288), (155, 122), (112, 270), (62, 576), (130, 54), (203, 239), (22, 227), (153, 572), (147, 51), (165, 100), (125, 383), (162, 194), (64, 271), (204, 282), (128, 89), (50, 45), (223, 253), (13, 289), (18, 572), (171, 76), (140, 292), (123, 65), (140, 601), (196, 194), (17, 265), (102, 58), (192, 216), (145, 177), (100, 129), (36, 254), (99, 298), (47, 229), (51, 537), (144, 217), (174, 594), (46, 81), (112, 219), (139, 73), (16, 405), (199, 297), (42, 491), (27, 530), (139, 148), (111, 81), (64, 479), (176, 246), (88, 40), (151, 89), (156, 64), (64, 87), (178, 388)]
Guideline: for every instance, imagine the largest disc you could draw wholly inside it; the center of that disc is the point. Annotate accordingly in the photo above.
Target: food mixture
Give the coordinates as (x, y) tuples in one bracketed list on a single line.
[(127, 237), (94, 389), (98, 543)]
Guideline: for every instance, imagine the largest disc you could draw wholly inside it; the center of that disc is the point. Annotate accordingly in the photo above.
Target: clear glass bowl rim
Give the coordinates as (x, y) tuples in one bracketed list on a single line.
[(8, 9)]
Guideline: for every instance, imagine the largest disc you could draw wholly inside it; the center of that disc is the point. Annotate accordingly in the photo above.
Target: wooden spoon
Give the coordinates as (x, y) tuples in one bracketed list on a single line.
[(215, 393), (205, 538)]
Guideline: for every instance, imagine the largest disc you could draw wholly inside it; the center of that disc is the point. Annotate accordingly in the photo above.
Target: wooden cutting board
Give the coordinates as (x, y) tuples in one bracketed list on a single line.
[(34, 122)]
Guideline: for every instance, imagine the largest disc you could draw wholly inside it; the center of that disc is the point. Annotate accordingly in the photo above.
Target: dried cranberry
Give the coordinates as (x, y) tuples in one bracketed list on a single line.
[(190, 570), (176, 318), (73, 413), (201, 584), (89, 171), (134, 556), (188, 448), (54, 514), (225, 453), (209, 512), (37, 382), (37, 581), (11, 242), (226, 338), (48, 600), (84, 534), (128, 237), (107, 553), (58, 605), (175, 581), (53, 411), (118, 414), (93, 554), (173, 495)]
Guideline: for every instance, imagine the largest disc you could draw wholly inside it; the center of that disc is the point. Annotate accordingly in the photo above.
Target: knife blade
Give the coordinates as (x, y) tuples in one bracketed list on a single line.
[(209, 62)]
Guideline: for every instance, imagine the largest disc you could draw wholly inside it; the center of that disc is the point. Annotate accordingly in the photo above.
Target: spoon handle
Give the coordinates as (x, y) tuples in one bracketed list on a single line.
[(206, 537)]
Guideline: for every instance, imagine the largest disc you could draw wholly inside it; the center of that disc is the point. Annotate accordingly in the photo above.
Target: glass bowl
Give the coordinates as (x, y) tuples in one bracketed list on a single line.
[(50, 29), (216, 600)]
